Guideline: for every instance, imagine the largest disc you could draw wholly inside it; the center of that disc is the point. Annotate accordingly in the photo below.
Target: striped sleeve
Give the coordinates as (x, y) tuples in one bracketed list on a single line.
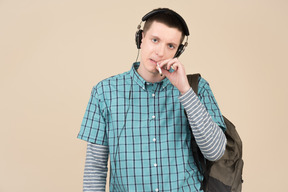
[(208, 135), (95, 171)]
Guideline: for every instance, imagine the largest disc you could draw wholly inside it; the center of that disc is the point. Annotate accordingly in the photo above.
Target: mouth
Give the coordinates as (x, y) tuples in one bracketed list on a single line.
[(153, 61)]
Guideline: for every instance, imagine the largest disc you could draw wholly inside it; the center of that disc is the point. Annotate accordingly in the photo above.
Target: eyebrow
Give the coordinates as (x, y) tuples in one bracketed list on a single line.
[(172, 43)]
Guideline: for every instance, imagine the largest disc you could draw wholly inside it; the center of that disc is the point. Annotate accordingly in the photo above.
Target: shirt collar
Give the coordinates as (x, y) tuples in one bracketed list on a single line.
[(141, 82)]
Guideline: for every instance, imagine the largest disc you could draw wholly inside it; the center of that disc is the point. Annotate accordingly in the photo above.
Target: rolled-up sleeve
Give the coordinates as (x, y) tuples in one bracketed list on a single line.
[(93, 126)]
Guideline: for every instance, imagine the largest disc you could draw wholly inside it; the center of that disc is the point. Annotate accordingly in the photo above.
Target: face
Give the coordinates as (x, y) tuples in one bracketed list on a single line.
[(159, 43)]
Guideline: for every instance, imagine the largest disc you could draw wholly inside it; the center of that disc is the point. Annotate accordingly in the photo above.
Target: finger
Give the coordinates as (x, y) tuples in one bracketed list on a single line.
[(164, 64), (174, 67), (171, 62), (166, 73)]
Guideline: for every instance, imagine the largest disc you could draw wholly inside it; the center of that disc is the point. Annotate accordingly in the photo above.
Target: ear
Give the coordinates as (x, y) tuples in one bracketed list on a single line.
[(142, 36)]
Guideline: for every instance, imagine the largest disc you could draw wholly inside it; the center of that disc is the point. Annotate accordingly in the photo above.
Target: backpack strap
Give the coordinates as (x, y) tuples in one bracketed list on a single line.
[(193, 81)]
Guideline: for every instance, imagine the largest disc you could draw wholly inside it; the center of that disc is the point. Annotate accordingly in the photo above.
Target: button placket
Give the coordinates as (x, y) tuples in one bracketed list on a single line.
[(153, 126), (152, 130)]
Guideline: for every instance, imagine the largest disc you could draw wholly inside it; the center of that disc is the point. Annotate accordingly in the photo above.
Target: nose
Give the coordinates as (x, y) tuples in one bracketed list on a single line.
[(160, 50)]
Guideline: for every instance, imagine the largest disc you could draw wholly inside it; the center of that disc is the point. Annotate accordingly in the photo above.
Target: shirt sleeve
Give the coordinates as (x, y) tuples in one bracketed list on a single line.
[(93, 126), (206, 129), (206, 97), (95, 171)]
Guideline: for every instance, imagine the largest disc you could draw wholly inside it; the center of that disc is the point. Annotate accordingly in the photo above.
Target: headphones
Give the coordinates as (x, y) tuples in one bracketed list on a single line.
[(138, 35)]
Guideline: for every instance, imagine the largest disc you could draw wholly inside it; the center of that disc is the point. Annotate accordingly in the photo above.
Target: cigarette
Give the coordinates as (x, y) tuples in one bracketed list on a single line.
[(159, 69)]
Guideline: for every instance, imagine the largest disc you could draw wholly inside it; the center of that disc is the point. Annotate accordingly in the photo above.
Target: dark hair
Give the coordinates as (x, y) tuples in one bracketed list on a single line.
[(167, 18)]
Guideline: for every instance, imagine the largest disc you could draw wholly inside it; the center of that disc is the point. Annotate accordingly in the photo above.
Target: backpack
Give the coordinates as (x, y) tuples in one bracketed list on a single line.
[(225, 174)]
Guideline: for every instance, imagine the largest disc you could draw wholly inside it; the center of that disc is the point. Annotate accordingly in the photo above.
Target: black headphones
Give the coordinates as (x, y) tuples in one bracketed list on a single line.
[(138, 35)]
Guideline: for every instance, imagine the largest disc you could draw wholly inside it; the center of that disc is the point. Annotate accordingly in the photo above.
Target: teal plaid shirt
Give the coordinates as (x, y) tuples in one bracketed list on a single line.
[(147, 132)]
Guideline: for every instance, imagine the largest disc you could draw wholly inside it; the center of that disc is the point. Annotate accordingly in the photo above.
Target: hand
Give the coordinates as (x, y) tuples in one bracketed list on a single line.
[(178, 78)]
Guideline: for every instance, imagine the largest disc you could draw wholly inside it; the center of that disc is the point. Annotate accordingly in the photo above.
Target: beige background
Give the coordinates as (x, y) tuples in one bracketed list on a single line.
[(53, 52)]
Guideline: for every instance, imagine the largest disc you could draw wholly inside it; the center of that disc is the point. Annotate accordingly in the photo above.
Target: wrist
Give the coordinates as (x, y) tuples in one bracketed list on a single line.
[(184, 90)]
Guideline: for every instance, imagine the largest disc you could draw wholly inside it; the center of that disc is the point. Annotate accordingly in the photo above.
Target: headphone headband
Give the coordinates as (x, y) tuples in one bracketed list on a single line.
[(162, 10)]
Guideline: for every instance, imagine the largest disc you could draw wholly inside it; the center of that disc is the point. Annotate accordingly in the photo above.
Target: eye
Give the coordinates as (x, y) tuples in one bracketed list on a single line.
[(154, 40), (171, 46)]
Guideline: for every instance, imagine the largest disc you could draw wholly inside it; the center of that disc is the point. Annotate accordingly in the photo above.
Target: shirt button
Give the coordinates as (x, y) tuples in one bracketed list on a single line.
[(153, 117), (154, 139), (156, 189), (155, 164), (153, 95)]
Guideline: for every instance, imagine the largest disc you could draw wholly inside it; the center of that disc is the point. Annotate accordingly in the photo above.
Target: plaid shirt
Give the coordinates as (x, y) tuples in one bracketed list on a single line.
[(147, 133)]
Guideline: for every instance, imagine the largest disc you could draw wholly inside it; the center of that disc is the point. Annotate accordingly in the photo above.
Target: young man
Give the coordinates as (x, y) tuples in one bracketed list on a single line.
[(138, 118)]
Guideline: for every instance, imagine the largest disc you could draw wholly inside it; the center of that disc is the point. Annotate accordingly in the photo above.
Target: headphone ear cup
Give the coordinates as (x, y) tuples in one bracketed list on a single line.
[(138, 38), (179, 51)]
